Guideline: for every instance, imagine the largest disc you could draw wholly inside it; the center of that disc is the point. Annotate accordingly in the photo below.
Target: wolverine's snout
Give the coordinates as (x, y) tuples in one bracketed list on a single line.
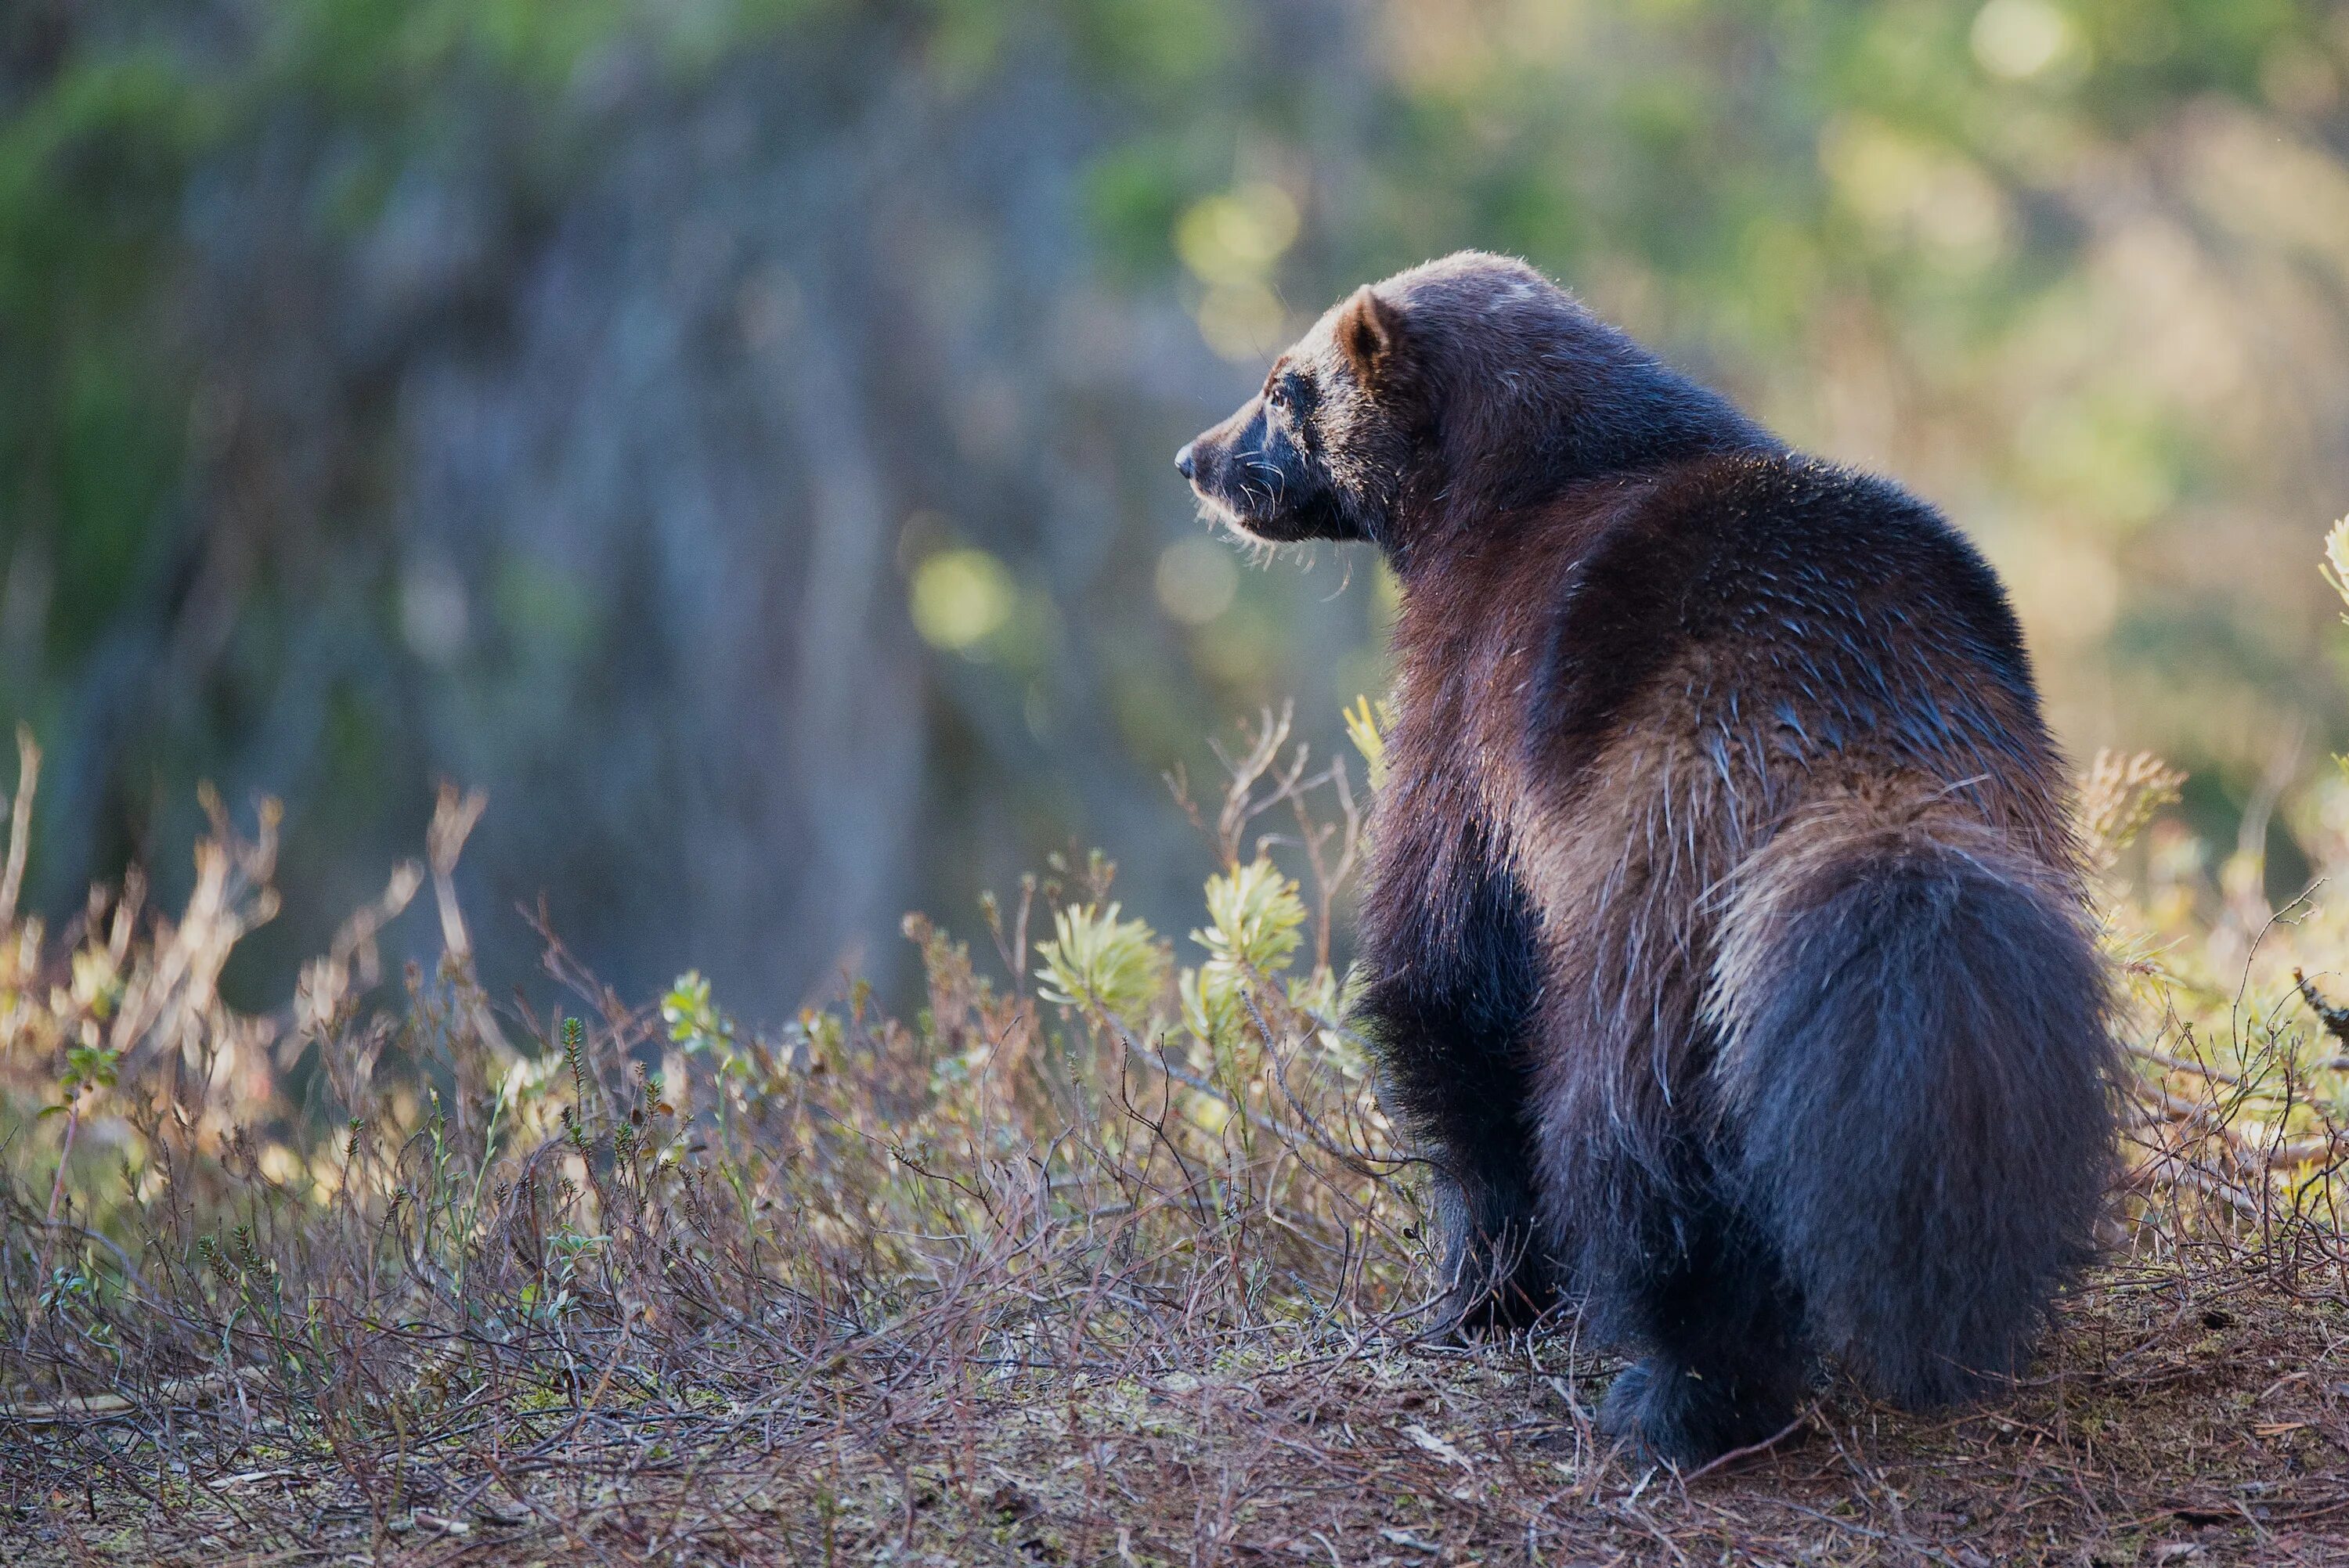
[(1252, 476), (1206, 461)]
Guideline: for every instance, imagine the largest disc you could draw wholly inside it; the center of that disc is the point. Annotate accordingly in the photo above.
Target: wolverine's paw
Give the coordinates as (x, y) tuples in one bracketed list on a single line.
[(1678, 1415)]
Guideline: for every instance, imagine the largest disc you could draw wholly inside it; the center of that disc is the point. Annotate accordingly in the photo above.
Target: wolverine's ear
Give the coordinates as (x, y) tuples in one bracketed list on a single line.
[(1369, 332)]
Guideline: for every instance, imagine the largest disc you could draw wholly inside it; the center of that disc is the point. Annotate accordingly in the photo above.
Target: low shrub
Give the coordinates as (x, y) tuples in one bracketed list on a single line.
[(644, 1278)]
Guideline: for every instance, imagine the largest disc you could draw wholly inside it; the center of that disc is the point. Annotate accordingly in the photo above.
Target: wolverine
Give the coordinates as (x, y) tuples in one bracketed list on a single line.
[(1726, 948)]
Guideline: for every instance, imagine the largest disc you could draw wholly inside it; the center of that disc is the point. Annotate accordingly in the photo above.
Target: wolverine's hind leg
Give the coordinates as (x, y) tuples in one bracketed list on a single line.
[(1694, 1283)]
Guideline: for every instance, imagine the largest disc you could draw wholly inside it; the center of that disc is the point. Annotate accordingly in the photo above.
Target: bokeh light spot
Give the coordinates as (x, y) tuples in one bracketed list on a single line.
[(2018, 39), (1243, 323), (1230, 242), (1196, 581), (959, 598), (1235, 238)]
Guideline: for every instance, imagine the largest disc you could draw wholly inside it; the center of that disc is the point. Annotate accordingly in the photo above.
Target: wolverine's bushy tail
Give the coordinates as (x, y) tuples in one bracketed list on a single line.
[(1916, 1066)]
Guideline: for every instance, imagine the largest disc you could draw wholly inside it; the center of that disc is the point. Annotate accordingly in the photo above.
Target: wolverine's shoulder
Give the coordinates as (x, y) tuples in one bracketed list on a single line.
[(1752, 507), (1778, 544), (1794, 568)]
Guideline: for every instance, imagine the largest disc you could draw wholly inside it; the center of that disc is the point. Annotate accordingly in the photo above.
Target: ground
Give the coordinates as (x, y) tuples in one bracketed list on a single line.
[(2169, 1423)]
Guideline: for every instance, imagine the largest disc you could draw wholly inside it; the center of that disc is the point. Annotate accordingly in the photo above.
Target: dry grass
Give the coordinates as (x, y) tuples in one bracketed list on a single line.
[(1128, 1276), (2172, 1422)]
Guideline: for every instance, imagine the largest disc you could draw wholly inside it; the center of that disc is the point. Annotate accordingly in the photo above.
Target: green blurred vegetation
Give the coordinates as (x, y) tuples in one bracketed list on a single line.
[(736, 434)]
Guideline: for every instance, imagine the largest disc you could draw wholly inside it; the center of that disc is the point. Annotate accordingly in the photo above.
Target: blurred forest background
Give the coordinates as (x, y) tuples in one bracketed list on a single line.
[(736, 434)]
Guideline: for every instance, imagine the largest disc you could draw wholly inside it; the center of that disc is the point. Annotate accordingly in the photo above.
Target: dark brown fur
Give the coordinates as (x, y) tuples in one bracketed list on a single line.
[(1725, 943)]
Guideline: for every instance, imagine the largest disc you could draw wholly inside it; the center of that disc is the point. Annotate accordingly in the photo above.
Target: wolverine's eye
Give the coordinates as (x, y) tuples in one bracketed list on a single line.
[(1292, 395)]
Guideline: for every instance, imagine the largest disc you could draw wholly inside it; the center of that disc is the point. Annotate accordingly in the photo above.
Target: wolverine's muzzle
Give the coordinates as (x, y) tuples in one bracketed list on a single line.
[(1247, 478)]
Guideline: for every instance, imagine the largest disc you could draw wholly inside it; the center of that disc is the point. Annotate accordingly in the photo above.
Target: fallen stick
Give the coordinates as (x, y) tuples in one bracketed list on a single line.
[(1749, 1450), (172, 1390)]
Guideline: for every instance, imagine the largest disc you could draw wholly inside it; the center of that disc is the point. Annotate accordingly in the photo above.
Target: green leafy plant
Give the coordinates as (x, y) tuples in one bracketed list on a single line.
[(1096, 960), (1368, 726), (1255, 923)]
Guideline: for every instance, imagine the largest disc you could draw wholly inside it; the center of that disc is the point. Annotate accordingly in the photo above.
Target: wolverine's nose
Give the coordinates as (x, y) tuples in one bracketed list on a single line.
[(1183, 460)]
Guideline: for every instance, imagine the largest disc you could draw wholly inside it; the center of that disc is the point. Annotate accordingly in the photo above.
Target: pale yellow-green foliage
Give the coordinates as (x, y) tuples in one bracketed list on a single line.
[(1367, 726), (2336, 559), (1096, 960), (2234, 1078), (1255, 919), (2118, 797), (1255, 915)]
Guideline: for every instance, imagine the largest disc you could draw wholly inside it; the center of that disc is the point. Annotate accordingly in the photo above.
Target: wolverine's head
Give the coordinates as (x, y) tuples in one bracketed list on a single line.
[(1319, 452), (1464, 386)]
